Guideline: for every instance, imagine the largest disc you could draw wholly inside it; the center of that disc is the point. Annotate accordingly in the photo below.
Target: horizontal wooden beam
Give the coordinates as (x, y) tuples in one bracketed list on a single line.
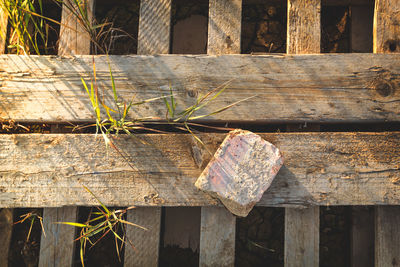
[(160, 170), (285, 88)]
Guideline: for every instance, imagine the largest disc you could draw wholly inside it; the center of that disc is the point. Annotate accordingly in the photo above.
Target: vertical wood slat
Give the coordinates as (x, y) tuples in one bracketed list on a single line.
[(304, 27), (218, 225), (154, 27), (217, 237), (6, 215), (362, 237), (386, 36), (146, 243), (302, 225), (74, 39), (387, 236), (224, 27), (6, 226), (386, 32), (153, 38), (301, 237), (3, 30), (57, 247)]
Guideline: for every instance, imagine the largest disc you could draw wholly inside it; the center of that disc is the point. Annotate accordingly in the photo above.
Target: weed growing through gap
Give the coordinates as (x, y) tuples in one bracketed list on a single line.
[(29, 28), (104, 221), (117, 120)]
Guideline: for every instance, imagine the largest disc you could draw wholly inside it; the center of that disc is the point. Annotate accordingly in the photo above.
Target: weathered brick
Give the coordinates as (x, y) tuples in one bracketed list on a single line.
[(241, 170)]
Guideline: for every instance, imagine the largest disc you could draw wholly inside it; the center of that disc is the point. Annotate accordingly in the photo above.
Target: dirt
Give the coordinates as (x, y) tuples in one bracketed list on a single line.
[(23, 252)]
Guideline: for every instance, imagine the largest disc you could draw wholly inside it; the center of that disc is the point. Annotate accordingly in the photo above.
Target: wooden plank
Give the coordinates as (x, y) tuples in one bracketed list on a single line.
[(320, 169), (217, 237), (302, 226), (154, 27), (387, 237), (224, 27), (289, 88), (386, 34), (57, 249), (218, 225), (6, 225), (3, 29), (6, 215), (301, 237), (74, 37), (386, 40), (304, 27), (153, 38), (57, 246), (145, 252), (362, 237)]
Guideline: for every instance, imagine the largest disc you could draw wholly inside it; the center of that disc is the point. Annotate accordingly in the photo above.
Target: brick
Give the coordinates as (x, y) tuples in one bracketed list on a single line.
[(241, 170)]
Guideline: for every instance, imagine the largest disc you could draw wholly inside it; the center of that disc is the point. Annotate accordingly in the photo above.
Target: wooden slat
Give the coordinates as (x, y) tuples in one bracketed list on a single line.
[(386, 26), (74, 38), (362, 237), (224, 27), (217, 237), (218, 225), (6, 215), (291, 88), (386, 40), (304, 27), (302, 226), (6, 225), (320, 169), (387, 237), (301, 237), (144, 242), (153, 38), (57, 246), (154, 27), (3, 29)]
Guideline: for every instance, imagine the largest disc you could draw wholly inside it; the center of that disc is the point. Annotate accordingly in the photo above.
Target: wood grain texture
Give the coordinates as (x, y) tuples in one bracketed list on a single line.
[(386, 40), (57, 246), (288, 88), (154, 27), (362, 237), (224, 27), (217, 237), (387, 26), (153, 38), (6, 226), (74, 38), (145, 243), (3, 30), (218, 225), (387, 237), (319, 169), (302, 237), (304, 27), (302, 226)]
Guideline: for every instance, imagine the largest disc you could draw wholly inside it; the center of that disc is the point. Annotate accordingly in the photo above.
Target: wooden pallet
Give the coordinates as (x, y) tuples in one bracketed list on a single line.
[(320, 168)]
